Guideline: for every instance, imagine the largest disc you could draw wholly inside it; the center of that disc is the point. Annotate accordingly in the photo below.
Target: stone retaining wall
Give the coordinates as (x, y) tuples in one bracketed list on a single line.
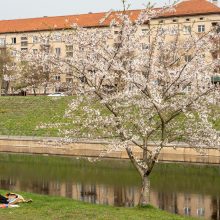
[(93, 148)]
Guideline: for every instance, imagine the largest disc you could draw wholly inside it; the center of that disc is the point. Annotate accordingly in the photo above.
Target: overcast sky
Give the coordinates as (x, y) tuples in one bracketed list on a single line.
[(12, 9)]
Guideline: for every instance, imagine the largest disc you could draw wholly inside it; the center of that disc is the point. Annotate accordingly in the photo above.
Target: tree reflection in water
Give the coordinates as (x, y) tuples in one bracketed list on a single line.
[(102, 183)]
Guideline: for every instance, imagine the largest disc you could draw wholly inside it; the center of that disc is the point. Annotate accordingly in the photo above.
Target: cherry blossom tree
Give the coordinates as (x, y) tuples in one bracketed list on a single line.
[(7, 70), (37, 70), (34, 74), (137, 87), (35, 66)]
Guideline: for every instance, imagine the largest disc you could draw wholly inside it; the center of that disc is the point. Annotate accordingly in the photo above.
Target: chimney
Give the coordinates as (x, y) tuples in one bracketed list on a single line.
[(215, 2)]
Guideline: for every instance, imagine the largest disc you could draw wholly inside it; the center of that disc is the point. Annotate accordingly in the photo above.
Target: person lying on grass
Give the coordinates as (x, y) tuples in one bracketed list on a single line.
[(12, 199)]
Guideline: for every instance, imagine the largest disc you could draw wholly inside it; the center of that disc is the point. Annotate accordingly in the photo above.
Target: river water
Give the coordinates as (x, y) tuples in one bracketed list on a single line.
[(192, 190)]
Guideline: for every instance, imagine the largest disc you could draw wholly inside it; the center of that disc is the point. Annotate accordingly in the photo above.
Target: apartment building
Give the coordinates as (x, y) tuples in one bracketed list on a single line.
[(21, 35)]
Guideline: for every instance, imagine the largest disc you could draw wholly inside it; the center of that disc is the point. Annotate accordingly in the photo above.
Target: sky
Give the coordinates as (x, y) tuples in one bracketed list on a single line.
[(15, 9)]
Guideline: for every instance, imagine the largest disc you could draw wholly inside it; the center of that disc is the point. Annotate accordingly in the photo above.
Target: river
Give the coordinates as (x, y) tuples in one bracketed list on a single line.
[(184, 189)]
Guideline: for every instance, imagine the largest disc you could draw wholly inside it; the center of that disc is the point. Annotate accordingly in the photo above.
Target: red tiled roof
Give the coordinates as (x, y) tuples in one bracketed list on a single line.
[(184, 8), (193, 7), (48, 23)]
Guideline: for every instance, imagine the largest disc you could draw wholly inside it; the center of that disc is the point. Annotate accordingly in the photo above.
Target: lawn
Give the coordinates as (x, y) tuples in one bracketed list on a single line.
[(21, 116), (54, 208)]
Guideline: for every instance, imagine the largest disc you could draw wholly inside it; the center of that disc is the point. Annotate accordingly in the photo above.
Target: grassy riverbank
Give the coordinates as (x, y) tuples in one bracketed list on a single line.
[(48, 207), (21, 116)]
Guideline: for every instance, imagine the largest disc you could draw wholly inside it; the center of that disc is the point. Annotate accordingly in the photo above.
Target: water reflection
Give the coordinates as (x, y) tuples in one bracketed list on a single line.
[(177, 199)]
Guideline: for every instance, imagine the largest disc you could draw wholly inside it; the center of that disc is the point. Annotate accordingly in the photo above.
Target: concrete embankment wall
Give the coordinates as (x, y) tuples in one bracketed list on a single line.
[(93, 148)]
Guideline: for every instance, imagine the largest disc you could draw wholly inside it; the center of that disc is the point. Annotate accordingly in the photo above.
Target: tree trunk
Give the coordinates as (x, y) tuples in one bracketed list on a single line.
[(45, 89), (145, 191), (0, 86), (7, 87), (35, 94), (144, 173)]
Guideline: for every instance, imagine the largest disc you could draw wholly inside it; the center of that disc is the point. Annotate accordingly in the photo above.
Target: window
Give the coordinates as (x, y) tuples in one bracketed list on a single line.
[(83, 79), (69, 80), (215, 2), (81, 48), (216, 26), (117, 45), (58, 51), (69, 50), (161, 21), (2, 42), (35, 51), (46, 68), (201, 28), (144, 30), (45, 48), (24, 41), (175, 20), (35, 39), (201, 212), (68, 71), (144, 46), (173, 31), (161, 30), (188, 58), (45, 40), (13, 40), (24, 44), (13, 53), (116, 32), (24, 50), (187, 211), (69, 54), (201, 19), (69, 47), (57, 78), (2, 51), (187, 19), (187, 29), (57, 37)]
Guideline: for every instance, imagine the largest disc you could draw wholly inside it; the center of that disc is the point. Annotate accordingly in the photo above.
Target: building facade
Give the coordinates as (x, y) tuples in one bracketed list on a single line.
[(22, 35)]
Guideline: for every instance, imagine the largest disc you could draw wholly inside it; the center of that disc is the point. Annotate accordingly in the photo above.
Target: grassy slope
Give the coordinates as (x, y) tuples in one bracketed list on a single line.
[(47, 207), (22, 115)]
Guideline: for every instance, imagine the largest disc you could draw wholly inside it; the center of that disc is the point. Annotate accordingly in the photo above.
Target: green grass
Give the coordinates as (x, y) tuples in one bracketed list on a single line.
[(54, 208), (22, 115)]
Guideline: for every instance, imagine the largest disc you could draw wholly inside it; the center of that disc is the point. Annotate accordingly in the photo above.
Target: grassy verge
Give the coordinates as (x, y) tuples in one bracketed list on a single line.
[(21, 116), (47, 207)]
